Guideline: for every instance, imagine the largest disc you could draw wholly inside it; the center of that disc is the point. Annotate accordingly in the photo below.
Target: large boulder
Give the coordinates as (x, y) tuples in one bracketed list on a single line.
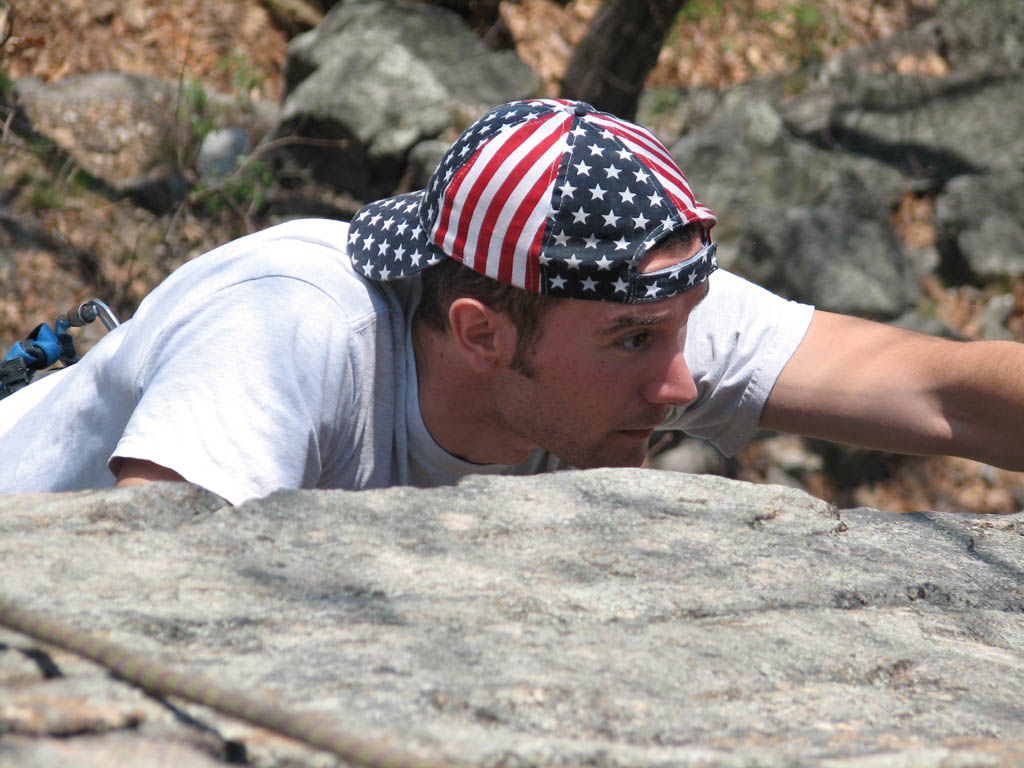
[(927, 128), (980, 37), (939, 100), (980, 225), (806, 170), (808, 223), (381, 76), (840, 254), (609, 617), (136, 135)]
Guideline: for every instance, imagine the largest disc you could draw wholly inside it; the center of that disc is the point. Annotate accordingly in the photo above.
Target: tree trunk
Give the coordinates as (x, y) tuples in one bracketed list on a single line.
[(484, 16), (295, 15), (611, 63)]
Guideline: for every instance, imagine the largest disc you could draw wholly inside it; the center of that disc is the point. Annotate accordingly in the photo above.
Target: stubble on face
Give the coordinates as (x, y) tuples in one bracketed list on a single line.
[(569, 396), (582, 402)]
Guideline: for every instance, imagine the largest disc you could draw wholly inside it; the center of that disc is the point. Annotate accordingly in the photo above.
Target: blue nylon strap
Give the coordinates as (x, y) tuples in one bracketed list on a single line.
[(43, 339)]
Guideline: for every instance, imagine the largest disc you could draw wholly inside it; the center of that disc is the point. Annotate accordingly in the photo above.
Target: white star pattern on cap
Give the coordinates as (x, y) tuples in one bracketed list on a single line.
[(550, 196)]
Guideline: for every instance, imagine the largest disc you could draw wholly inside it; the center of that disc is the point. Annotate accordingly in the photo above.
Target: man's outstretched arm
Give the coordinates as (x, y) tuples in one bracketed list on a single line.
[(873, 385)]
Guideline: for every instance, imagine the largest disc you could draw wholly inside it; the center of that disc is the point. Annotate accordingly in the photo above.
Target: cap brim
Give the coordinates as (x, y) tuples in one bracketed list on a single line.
[(387, 240)]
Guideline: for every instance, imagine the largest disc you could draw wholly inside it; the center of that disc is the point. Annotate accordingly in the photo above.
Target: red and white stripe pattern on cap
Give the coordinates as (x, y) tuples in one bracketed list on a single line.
[(494, 210), (547, 195)]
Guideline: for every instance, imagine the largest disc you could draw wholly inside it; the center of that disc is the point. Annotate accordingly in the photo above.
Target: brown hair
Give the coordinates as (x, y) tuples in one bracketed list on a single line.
[(450, 279)]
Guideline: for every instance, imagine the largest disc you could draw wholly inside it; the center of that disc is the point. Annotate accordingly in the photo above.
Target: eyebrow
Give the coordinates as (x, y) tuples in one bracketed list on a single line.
[(627, 322), (643, 319)]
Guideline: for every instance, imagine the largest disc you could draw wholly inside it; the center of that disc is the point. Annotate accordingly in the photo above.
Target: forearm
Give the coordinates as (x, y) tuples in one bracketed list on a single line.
[(982, 400), (873, 385), (137, 471)]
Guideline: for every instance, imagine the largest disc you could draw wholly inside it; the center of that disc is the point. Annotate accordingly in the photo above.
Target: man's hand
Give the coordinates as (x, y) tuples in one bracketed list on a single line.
[(868, 384), (135, 471)]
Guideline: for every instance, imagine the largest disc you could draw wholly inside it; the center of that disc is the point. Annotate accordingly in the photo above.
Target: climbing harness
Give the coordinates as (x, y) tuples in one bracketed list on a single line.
[(47, 346)]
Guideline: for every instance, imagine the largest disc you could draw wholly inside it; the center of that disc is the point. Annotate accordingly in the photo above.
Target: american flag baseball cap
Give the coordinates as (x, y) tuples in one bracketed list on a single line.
[(548, 195)]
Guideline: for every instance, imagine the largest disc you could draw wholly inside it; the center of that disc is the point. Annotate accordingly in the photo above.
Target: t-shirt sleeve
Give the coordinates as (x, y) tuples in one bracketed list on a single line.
[(234, 391), (738, 340)]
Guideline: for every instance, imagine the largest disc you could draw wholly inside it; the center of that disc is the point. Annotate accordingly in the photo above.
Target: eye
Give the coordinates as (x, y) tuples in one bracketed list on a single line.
[(635, 340)]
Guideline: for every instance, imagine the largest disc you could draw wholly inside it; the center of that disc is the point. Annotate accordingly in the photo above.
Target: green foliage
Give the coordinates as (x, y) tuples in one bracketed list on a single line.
[(695, 10), (798, 27), (809, 26), (45, 195), (246, 189), (246, 78), (194, 115), (660, 101), (198, 117), (806, 16), (6, 85)]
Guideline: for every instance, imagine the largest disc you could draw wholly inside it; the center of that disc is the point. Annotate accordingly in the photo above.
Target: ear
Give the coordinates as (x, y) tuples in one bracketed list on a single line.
[(485, 337)]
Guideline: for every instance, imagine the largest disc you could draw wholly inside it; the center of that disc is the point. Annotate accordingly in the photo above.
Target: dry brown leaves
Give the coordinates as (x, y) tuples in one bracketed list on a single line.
[(758, 37), (210, 41), (946, 485), (546, 34), (718, 43)]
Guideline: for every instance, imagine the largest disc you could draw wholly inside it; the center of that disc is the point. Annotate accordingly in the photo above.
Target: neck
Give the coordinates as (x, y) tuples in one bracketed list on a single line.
[(456, 403)]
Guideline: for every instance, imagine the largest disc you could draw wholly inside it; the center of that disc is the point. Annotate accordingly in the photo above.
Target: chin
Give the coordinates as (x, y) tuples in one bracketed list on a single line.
[(633, 461), (602, 457)]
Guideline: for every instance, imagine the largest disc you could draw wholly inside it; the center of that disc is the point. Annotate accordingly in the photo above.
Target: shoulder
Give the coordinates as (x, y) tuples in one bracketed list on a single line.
[(313, 250), (269, 264), (288, 287), (736, 305), (728, 287)]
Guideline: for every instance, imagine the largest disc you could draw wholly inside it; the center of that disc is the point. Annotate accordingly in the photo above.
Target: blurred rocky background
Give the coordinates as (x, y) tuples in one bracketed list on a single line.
[(862, 155)]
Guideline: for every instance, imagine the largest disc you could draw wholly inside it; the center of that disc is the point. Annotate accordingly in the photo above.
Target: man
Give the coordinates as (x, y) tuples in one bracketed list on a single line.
[(549, 300)]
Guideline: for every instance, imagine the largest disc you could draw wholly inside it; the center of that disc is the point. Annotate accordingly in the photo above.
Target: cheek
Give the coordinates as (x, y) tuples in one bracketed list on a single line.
[(586, 379), (605, 388), (589, 376)]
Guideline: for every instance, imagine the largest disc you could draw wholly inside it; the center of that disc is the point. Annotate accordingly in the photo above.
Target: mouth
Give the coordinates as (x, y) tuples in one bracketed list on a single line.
[(638, 434)]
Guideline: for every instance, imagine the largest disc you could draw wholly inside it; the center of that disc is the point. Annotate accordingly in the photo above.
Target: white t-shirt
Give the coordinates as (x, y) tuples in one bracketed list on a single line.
[(269, 363)]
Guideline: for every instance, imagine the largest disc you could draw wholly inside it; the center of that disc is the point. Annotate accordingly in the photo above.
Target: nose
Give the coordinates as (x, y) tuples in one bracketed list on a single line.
[(673, 383)]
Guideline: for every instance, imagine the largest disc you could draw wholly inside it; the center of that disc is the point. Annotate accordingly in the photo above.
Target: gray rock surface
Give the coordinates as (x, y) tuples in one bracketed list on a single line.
[(841, 255), (805, 170), (882, 101), (932, 129), (980, 224), (805, 222), (745, 160), (382, 76), (115, 126), (980, 37), (610, 617), (133, 133)]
